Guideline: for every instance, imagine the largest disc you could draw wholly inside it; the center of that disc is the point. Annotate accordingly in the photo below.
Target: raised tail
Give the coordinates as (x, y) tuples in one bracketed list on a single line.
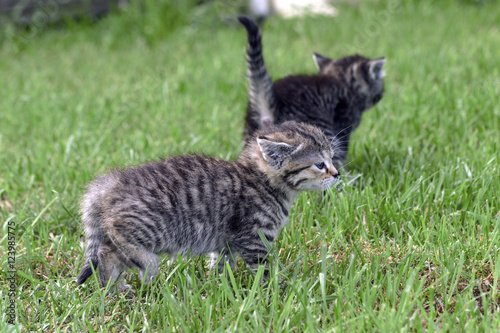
[(261, 97)]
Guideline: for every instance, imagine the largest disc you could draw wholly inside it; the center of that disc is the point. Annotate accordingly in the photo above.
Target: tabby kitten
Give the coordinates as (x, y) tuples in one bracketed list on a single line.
[(201, 204), (332, 100)]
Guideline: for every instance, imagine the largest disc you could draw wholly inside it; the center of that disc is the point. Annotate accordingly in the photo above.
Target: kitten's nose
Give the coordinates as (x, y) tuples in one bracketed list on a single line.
[(332, 171)]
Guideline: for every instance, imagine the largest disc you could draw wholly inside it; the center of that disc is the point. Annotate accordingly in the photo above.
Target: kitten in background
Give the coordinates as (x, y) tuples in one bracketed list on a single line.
[(333, 100), (201, 204)]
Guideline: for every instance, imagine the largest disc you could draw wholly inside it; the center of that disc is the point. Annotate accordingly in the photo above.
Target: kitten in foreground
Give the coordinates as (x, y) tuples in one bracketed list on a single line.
[(332, 100), (200, 204)]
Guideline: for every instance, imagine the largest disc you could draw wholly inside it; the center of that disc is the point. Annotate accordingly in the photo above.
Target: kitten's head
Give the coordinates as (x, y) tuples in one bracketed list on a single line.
[(363, 75), (297, 156)]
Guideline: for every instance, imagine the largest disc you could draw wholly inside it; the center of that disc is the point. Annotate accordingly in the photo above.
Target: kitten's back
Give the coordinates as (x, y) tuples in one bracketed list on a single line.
[(191, 192)]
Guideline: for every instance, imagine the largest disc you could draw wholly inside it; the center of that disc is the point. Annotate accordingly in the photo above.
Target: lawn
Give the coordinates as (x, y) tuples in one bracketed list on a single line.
[(415, 245)]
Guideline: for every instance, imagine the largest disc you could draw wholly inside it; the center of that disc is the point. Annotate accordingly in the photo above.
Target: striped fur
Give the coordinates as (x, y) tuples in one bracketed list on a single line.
[(332, 100), (260, 96), (197, 204)]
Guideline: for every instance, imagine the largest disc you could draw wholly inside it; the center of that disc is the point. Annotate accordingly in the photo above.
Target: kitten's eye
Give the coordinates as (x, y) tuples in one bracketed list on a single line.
[(320, 166)]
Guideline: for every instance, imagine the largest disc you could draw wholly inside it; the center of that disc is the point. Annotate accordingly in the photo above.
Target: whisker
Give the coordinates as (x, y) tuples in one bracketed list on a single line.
[(338, 141), (346, 164), (342, 131), (353, 179), (334, 142), (338, 147)]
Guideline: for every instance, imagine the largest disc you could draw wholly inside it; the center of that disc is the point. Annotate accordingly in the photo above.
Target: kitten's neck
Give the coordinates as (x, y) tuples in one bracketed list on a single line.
[(251, 158)]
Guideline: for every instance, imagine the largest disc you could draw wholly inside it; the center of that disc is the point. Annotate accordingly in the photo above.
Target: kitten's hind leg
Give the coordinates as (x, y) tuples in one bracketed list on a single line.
[(111, 265), (149, 270), (137, 255)]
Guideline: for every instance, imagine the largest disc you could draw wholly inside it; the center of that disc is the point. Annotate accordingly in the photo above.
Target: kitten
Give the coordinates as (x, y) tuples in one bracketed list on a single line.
[(201, 204), (332, 100)]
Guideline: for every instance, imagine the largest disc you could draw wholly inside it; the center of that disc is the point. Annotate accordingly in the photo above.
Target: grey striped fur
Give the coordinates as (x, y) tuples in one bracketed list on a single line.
[(198, 204), (332, 100)]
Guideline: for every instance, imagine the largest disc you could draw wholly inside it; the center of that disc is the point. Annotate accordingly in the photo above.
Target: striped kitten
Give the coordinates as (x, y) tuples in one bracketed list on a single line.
[(201, 204), (332, 100)]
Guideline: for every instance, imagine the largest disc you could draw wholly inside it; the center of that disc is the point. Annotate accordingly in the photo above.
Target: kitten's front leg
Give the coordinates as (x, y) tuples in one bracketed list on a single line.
[(213, 259), (256, 254)]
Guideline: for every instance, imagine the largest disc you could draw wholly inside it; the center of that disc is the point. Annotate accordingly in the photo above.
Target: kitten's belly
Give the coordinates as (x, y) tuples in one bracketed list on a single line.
[(195, 239)]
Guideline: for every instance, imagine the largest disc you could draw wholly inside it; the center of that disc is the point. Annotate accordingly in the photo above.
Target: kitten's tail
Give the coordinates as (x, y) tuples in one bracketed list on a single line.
[(86, 270), (91, 218), (261, 97)]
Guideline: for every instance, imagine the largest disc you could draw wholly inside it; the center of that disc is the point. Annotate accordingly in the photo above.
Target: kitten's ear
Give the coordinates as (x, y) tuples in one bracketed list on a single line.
[(320, 61), (275, 153), (376, 69)]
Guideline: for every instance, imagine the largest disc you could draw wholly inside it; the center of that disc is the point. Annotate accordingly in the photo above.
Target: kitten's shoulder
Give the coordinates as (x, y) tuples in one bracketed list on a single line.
[(295, 86), (304, 81)]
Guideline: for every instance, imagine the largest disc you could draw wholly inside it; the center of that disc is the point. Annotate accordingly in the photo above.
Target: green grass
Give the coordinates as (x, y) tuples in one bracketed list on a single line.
[(415, 246)]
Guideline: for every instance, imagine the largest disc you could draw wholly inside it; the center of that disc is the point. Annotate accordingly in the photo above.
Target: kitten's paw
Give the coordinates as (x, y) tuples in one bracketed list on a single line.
[(126, 291), (213, 260), (283, 284), (121, 289)]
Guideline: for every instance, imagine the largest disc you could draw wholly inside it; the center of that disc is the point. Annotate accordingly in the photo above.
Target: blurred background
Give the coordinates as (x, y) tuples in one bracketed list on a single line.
[(37, 14)]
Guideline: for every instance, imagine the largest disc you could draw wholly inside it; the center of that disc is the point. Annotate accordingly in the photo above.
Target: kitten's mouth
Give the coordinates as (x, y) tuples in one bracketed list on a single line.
[(377, 98), (329, 182)]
